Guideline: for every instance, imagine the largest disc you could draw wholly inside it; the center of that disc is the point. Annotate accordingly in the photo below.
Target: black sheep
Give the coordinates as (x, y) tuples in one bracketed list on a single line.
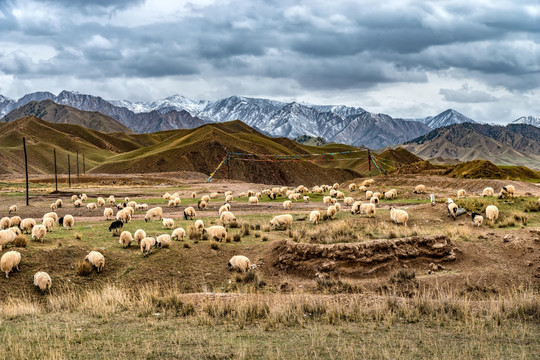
[(116, 226)]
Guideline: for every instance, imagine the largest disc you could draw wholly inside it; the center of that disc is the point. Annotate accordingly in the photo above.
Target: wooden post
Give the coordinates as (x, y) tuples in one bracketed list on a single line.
[(369, 161), (26, 169), (83, 165), (69, 172), (228, 168), (77, 164), (55, 171)]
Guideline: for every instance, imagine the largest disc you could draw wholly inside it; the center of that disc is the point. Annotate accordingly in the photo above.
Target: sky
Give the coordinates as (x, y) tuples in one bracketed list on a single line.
[(398, 57)]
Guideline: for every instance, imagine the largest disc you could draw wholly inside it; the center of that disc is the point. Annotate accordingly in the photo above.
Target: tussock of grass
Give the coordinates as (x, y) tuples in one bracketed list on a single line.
[(20, 241), (83, 268)]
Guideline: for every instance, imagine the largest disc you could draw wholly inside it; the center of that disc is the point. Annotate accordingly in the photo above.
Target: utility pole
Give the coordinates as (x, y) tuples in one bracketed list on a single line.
[(77, 164), (55, 171), (26, 169), (69, 172), (83, 165), (369, 161)]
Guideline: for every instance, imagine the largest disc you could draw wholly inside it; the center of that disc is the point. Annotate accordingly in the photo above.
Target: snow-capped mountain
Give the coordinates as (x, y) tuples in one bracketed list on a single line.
[(530, 120), (174, 102), (447, 117)]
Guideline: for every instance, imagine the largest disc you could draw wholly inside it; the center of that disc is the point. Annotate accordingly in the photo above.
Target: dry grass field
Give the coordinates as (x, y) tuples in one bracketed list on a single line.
[(351, 287)]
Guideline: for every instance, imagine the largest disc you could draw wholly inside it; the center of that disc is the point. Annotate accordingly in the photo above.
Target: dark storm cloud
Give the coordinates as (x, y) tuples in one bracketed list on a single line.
[(319, 45)]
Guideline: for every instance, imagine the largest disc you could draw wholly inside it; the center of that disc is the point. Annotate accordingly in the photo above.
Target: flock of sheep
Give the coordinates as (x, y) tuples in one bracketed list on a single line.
[(15, 226)]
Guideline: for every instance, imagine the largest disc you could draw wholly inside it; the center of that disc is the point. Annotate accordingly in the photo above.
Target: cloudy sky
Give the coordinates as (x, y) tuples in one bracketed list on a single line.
[(403, 58)]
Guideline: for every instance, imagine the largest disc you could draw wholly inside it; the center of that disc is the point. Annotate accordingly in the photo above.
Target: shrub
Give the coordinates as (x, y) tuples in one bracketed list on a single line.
[(20, 241), (403, 275), (264, 238), (245, 229), (214, 245), (237, 237), (83, 267), (186, 245)]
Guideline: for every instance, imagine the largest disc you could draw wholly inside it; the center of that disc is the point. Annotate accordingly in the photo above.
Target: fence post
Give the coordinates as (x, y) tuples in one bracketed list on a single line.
[(26, 169)]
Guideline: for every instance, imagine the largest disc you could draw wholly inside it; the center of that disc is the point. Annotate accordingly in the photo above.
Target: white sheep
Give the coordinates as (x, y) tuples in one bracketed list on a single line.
[(253, 200), (154, 214), (10, 260), (368, 182), (193, 195), (53, 206), (168, 223), (42, 280), (461, 193), (132, 204), (100, 202), (139, 235), (227, 218), (348, 201), (146, 245), (477, 219), (281, 221), (91, 206), (59, 203), (6, 237), (352, 187), (223, 208), (355, 208), (315, 217), (507, 191), (214, 195), (178, 234), (227, 193), (14, 221), (39, 232), (338, 206), (374, 200), (51, 215), (199, 225), (108, 213), (216, 232), (189, 213), (488, 192), (125, 239), (336, 186), (452, 208), (49, 223), (96, 259), (12, 209), (492, 213), (74, 198), (420, 189), (77, 203), (306, 198), (250, 193), (69, 221), (399, 216), (27, 225), (163, 241), (390, 194), (369, 194), (177, 201), (239, 263), (340, 195), (141, 207), (229, 198), (287, 205), (123, 215), (4, 223), (84, 198), (368, 209), (205, 198), (170, 203), (166, 196), (331, 211), (111, 200)]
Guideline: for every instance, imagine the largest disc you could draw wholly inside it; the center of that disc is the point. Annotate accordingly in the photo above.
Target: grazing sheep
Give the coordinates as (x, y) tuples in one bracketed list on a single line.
[(68, 221), (77, 203), (141, 207), (125, 239), (96, 259), (201, 205), (390, 194), (340, 195), (178, 234), (15, 221), (163, 241), (378, 194), (327, 200), (27, 225), (100, 202), (488, 192), (52, 215), (10, 260), (352, 187), (59, 203), (461, 193), (84, 198), (53, 206), (306, 198), (420, 189), (39, 232), (348, 201), (335, 186), (116, 226), (281, 221), (189, 213), (258, 195), (227, 217), (507, 192), (214, 195), (369, 194), (74, 198), (121, 206), (146, 245), (177, 201), (242, 194), (272, 196), (123, 215), (368, 209), (253, 200), (338, 206), (193, 195), (168, 223), (287, 205), (362, 188), (170, 203), (91, 206), (139, 235), (477, 219), (355, 208), (223, 208), (199, 225), (368, 182), (227, 193), (154, 214), (250, 193), (399, 216), (6, 237), (42, 281), (111, 200), (315, 217), (239, 263), (331, 211), (205, 198), (166, 196), (452, 208), (217, 233), (48, 223), (132, 204), (374, 200), (492, 213), (15, 230), (333, 192), (229, 198), (108, 213), (4, 223), (12, 209)]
